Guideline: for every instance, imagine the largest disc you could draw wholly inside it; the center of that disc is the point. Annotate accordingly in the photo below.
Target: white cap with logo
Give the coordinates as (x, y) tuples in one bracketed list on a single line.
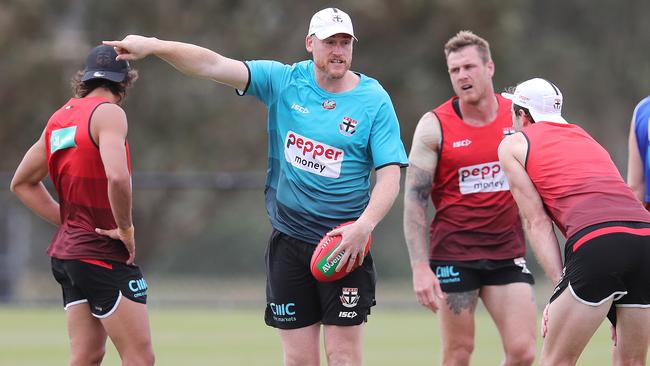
[(542, 99), (329, 22)]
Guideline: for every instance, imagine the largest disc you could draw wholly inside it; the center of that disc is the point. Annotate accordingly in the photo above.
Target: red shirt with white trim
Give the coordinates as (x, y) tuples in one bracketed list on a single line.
[(576, 178), (476, 216)]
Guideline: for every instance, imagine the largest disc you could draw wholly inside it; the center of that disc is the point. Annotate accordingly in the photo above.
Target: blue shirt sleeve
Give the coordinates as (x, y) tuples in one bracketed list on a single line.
[(641, 119), (267, 79), (386, 144)]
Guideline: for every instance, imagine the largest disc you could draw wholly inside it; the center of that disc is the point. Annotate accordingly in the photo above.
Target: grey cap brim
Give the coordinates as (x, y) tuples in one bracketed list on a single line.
[(117, 77)]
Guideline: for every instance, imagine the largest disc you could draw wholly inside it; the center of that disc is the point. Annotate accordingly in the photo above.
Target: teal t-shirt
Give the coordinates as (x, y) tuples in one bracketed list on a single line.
[(322, 146)]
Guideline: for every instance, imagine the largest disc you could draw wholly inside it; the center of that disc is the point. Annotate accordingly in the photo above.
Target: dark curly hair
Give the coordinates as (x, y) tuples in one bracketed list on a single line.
[(83, 88)]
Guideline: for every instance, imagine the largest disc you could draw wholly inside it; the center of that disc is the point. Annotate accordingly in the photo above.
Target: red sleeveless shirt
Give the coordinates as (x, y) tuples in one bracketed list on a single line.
[(476, 216), (579, 184), (76, 169)]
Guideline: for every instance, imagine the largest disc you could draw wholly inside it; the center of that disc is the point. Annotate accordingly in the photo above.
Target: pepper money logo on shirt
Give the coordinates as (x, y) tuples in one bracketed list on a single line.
[(313, 156), (487, 177)]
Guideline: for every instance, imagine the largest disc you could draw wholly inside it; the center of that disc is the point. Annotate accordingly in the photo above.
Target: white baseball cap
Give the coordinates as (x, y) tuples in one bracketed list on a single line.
[(542, 99), (329, 22)]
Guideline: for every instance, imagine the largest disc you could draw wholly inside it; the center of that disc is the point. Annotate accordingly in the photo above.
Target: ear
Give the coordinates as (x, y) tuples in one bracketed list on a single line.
[(490, 67), (521, 113), (524, 118), (308, 44)]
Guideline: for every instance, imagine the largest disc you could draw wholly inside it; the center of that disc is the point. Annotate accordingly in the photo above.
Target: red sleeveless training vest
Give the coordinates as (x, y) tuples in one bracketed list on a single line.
[(76, 169), (476, 216), (579, 184)]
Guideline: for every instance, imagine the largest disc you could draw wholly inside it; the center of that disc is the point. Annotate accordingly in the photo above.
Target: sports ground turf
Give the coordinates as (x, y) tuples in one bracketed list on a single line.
[(191, 336)]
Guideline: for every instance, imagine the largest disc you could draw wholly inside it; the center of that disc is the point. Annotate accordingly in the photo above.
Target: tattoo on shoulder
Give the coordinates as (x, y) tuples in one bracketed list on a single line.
[(458, 301)]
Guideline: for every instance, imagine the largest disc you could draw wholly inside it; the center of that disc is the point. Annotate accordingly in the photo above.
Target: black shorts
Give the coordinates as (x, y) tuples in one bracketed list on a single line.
[(295, 299), (101, 283), (608, 260), (463, 276)]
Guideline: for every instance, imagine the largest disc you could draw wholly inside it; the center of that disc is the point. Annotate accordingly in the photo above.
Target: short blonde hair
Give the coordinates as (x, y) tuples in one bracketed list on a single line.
[(467, 38)]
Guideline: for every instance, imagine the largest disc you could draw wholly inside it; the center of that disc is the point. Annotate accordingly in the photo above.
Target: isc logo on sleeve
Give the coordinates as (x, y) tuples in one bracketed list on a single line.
[(487, 177), (312, 156), (62, 139)]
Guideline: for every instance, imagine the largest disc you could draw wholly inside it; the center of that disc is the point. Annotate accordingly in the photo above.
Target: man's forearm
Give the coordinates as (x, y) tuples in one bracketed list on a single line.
[(189, 59), (119, 195), (382, 197), (38, 199), (201, 62), (415, 232), (546, 248), (417, 192)]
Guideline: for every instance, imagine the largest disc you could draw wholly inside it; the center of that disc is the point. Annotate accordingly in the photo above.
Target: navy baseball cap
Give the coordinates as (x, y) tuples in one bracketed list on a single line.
[(101, 64)]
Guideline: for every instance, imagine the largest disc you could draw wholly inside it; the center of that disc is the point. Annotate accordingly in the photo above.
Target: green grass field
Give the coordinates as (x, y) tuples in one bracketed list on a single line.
[(188, 337)]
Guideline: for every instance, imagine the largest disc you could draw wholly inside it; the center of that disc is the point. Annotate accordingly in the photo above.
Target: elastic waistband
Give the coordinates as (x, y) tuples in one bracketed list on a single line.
[(594, 231)]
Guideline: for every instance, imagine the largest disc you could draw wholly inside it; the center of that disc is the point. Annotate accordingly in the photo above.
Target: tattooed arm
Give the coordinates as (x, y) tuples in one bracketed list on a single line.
[(423, 161)]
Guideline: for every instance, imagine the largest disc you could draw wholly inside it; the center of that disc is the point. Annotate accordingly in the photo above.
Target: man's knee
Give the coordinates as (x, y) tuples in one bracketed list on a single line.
[(344, 358), (140, 357), (458, 352), (549, 358), (344, 345), (344, 352), (148, 358), (298, 358), (87, 357), (628, 360), (521, 354)]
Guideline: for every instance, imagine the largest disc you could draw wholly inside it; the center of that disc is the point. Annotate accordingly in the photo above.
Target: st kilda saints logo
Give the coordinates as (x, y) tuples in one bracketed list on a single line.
[(348, 126), (350, 297)]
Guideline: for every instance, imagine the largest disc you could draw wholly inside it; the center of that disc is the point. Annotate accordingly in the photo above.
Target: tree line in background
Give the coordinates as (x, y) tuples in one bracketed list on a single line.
[(596, 52)]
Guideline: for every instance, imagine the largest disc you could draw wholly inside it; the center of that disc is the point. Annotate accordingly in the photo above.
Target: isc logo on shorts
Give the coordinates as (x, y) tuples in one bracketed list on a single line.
[(347, 314), (487, 177), (312, 156)]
